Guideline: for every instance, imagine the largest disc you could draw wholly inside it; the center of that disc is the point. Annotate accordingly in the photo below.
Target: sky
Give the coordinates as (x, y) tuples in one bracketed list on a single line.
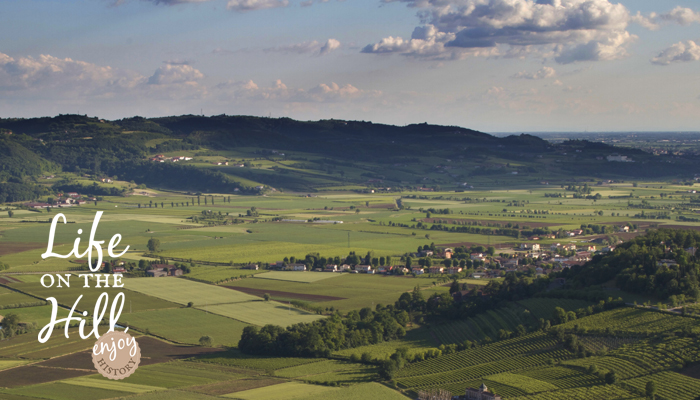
[(490, 65)]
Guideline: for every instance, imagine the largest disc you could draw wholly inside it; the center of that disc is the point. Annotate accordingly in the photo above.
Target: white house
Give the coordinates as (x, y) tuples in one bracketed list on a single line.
[(297, 267)]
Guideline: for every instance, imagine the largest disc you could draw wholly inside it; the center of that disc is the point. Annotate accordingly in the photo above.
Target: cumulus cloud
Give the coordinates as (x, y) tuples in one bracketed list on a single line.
[(679, 15), (167, 2), (571, 30), (679, 52), (50, 77), (48, 72), (313, 47), (542, 73), (329, 46), (280, 92), (252, 5), (308, 3), (175, 73)]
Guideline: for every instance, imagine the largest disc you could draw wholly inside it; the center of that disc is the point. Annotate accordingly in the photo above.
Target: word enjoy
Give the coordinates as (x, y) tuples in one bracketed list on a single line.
[(96, 244)]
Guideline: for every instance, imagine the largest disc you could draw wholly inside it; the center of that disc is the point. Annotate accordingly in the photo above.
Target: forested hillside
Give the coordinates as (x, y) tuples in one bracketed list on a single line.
[(307, 155)]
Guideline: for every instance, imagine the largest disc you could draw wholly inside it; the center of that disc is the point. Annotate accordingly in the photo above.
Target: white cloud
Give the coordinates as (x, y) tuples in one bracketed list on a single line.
[(47, 77), (306, 47), (329, 46), (571, 30), (679, 15), (170, 74), (167, 2), (542, 73), (280, 92), (47, 72), (251, 5), (679, 52)]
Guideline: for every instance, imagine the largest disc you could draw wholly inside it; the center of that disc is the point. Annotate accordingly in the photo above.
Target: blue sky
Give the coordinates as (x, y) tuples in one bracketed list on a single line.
[(492, 65)]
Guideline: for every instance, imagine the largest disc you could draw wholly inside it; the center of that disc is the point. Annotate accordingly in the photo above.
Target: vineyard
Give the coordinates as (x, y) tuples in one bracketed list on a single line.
[(489, 323), (635, 322), (544, 307), (537, 366)]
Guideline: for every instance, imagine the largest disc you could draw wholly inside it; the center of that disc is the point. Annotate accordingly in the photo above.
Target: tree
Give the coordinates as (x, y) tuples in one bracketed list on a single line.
[(190, 304), (611, 378), (11, 322), (651, 390), (266, 296), (454, 288), (205, 341), (10, 213), (153, 245)]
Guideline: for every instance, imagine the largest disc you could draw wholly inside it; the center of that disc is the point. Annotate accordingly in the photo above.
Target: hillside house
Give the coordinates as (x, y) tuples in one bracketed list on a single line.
[(364, 268), (384, 269), (118, 270), (417, 271), (570, 247), (296, 267), (436, 270), (254, 267), (454, 270), (530, 246), (477, 256), (156, 273), (331, 268), (482, 393), (345, 267)]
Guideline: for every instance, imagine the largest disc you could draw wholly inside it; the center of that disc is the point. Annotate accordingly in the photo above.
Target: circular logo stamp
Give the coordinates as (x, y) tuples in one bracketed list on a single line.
[(116, 355)]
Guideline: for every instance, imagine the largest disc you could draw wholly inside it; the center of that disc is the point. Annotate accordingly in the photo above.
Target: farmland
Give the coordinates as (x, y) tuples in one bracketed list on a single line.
[(637, 344)]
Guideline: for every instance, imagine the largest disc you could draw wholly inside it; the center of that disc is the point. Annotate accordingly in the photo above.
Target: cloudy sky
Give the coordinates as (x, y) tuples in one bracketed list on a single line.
[(492, 65)]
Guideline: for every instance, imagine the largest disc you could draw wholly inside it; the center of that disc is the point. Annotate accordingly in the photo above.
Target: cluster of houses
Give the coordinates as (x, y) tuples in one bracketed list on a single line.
[(67, 199), (158, 270), (163, 158)]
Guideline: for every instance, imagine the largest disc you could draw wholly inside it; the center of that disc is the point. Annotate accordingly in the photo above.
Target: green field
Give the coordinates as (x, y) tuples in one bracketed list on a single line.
[(288, 390), (183, 291), (297, 276), (220, 300), (217, 274), (187, 325), (348, 291)]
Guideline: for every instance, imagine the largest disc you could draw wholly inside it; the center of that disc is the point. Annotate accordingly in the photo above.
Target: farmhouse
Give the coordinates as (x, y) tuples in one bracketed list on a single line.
[(156, 273), (254, 267), (331, 268), (530, 246), (482, 393), (364, 268), (118, 270), (417, 271), (384, 269), (477, 256), (436, 270), (454, 270), (296, 267)]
